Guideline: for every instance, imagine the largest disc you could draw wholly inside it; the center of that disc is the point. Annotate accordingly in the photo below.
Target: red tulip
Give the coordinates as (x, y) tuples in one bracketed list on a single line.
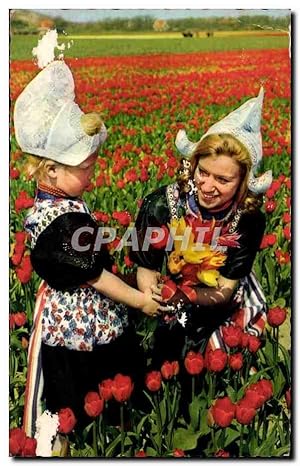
[(17, 438), (105, 389), (276, 316), (168, 290), (244, 412), (223, 411), (222, 453), (153, 381), (236, 361), (20, 318), (232, 335), (93, 404), (194, 363), (216, 360), (169, 369), (266, 388), (140, 454), (270, 206), (178, 453), (122, 387), (254, 343), (67, 420), (29, 448), (162, 233)]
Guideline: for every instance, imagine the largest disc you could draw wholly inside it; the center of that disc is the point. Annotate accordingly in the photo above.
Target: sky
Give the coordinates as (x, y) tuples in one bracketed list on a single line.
[(81, 15)]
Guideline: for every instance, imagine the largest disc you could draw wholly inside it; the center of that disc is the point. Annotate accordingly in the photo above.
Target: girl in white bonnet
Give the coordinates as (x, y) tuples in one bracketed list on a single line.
[(81, 333)]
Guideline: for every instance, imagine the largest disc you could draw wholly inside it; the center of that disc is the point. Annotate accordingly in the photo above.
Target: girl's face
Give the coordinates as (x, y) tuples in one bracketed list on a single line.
[(74, 180), (217, 179)]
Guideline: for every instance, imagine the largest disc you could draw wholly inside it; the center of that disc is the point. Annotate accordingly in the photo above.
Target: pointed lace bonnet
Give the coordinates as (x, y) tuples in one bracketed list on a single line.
[(47, 119), (244, 124)]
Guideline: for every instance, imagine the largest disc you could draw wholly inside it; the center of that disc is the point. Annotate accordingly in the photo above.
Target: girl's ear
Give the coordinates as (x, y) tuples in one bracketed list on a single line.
[(50, 169)]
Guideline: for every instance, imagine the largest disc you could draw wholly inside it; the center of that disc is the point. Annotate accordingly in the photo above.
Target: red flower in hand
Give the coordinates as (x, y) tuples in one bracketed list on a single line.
[(67, 420), (122, 387), (168, 290)]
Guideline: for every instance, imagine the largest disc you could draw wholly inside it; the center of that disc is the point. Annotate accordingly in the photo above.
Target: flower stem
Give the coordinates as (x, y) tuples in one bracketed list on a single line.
[(241, 441), (122, 428), (159, 422), (193, 387), (95, 446)]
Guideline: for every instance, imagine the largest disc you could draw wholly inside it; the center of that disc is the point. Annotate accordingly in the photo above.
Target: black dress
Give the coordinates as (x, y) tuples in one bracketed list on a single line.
[(171, 342)]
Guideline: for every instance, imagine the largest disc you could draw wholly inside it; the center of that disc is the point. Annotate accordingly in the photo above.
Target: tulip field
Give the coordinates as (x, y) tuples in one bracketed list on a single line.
[(240, 404)]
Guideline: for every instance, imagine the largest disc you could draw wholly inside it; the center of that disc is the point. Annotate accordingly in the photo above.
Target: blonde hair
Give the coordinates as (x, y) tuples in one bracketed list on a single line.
[(226, 144), (91, 123), (35, 166)]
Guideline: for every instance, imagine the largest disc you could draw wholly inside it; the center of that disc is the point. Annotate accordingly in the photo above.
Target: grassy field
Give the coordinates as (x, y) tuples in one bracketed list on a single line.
[(91, 46)]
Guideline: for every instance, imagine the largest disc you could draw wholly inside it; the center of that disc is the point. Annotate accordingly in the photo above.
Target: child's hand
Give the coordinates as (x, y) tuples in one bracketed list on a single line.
[(151, 307)]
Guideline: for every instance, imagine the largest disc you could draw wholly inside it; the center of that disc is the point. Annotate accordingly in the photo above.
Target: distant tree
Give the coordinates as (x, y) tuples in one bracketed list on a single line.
[(160, 25)]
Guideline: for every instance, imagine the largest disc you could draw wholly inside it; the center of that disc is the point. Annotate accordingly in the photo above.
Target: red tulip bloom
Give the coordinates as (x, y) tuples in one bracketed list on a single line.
[(223, 411), (24, 270), (254, 343), (276, 316), (105, 389), (168, 290), (162, 232), (244, 412), (236, 361), (140, 454), (266, 388), (244, 340), (268, 240), (153, 381), (216, 360), (287, 232), (282, 257), (254, 397), (20, 318), (29, 448), (123, 218), (194, 363), (122, 387), (67, 420), (93, 404), (169, 369), (17, 438), (286, 218), (232, 335), (222, 454), (178, 453), (270, 206)]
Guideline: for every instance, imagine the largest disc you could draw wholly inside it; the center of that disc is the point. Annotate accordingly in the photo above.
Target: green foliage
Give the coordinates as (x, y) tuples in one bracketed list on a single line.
[(21, 46)]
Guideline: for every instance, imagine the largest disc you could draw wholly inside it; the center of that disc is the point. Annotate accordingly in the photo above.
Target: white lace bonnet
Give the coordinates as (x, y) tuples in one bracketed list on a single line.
[(244, 124), (47, 119)]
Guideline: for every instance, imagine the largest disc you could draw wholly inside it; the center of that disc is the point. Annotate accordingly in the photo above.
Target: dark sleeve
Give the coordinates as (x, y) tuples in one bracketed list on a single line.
[(154, 212), (239, 261), (58, 260)]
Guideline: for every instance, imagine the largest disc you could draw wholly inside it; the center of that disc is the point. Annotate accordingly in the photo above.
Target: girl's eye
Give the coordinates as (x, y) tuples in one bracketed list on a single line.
[(223, 181)]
